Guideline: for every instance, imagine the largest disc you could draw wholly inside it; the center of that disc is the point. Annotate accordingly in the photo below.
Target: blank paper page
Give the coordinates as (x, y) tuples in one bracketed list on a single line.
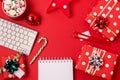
[(55, 69)]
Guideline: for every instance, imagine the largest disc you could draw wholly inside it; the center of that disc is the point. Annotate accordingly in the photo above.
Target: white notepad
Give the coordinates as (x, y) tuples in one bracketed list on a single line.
[(55, 69)]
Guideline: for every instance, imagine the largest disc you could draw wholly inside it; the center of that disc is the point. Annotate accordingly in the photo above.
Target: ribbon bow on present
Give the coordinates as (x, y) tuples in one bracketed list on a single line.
[(11, 66), (95, 61), (101, 22)]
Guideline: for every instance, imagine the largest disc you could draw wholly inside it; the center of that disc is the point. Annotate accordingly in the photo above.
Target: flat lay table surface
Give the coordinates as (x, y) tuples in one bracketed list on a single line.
[(58, 29)]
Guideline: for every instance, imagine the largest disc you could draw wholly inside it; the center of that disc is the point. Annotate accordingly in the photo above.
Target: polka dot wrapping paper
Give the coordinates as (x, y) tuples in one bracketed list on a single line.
[(18, 73), (108, 59), (109, 9)]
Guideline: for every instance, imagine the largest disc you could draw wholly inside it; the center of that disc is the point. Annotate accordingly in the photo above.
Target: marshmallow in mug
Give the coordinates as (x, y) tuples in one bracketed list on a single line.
[(14, 8)]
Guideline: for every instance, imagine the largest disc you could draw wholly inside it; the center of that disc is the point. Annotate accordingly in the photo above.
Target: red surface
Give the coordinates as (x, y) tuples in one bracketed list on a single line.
[(58, 29)]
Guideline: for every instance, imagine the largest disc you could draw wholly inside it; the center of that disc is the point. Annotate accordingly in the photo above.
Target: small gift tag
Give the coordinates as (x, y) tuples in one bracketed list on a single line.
[(84, 33), (19, 73)]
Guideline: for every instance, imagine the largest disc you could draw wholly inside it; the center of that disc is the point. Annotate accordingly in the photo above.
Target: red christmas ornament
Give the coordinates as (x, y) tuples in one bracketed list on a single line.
[(62, 5), (33, 19)]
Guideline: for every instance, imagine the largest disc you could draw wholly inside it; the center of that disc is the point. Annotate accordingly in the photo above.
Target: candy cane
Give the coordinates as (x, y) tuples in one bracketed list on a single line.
[(40, 50)]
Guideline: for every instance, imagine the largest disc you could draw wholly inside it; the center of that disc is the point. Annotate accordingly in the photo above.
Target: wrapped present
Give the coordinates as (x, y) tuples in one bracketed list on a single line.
[(105, 18), (96, 62), (13, 66)]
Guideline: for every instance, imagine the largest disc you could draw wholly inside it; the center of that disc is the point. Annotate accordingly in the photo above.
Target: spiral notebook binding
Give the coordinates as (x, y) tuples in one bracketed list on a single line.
[(55, 59)]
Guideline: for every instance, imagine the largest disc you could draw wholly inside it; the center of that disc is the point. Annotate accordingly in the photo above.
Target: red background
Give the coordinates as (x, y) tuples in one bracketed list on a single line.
[(58, 29)]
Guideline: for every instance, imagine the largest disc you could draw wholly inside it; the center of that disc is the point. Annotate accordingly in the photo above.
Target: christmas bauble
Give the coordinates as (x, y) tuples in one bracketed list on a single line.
[(33, 18)]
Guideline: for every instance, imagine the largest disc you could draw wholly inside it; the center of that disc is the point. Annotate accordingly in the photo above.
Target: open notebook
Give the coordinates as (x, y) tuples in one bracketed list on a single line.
[(55, 69)]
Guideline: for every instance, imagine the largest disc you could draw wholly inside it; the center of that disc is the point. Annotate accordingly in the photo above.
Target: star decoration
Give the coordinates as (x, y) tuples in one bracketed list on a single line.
[(63, 5)]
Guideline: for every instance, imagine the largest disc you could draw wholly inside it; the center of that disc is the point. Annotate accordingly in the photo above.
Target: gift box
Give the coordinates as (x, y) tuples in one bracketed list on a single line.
[(105, 18), (13, 66), (97, 62)]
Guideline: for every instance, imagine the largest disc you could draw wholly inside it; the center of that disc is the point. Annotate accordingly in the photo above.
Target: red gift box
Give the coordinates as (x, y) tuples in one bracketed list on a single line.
[(21, 69), (102, 66), (109, 10)]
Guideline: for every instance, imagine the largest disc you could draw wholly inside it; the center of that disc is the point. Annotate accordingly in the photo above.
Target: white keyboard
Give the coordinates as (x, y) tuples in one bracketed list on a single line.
[(16, 37)]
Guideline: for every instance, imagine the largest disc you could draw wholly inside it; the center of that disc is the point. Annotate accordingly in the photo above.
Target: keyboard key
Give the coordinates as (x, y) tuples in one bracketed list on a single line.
[(25, 42), (17, 43), (31, 34), (9, 31), (17, 34), (23, 50), (30, 44), (1, 32), (1, 23), (13, 33), (5, 39), (1, 37), (21, 31), (9, 40), (5, 29), (8, 36), (25, 32), (10, 46), (13, 24), (8, 26), (30, 39), (21, 40), (1, 28), (5, 34), (6, 44), (4, 24), (17, 29), (17, 39), (13, 28), (1, 42), (19, 49), (15, 48), (25, 37), (21, 36), (13, 42), (13, 37), (25, 46)]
